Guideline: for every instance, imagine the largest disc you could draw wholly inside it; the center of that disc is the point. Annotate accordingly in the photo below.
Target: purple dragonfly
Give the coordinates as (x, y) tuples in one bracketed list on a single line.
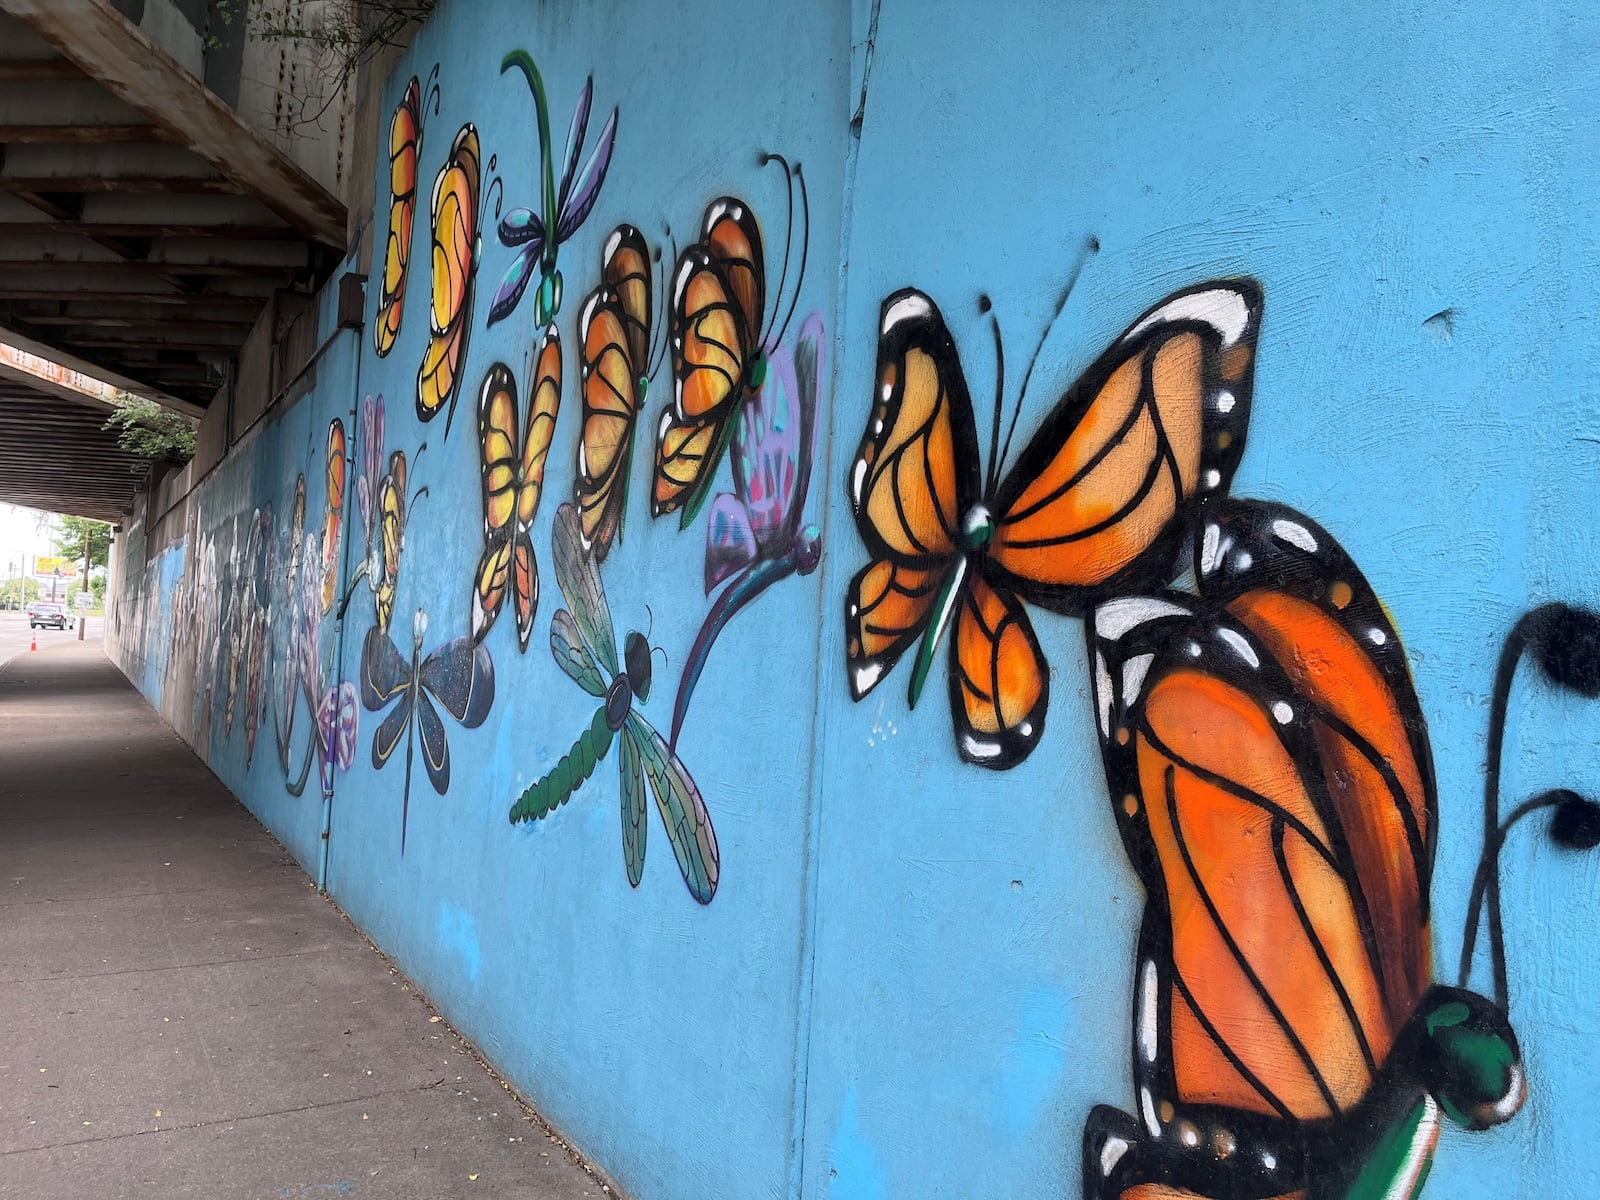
[(563, 208), (755, 537)]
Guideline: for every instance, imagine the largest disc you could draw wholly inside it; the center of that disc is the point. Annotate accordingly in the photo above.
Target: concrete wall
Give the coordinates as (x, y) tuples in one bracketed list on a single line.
[(917, 974)]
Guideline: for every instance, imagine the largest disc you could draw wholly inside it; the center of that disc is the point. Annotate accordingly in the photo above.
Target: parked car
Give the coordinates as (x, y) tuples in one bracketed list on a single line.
[(43, 614)]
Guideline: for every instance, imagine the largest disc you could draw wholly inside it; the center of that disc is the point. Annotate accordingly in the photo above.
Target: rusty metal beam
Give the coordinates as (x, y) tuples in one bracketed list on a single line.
[(117, 53), (146, 321)]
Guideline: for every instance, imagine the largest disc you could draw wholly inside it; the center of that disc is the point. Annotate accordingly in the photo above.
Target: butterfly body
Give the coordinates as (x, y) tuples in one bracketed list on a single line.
[(584, 645), (1272, 782), (1095, 505), (459, 675), (564, 204)]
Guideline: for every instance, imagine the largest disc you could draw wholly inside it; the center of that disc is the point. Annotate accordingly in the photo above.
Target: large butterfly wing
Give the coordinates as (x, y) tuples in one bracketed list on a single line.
[(1100, 501), (405, 130), (914, 476), (435, 744), (1270, 778), (385, 673), (370, 480), (683, 811), (714, 328), (460, 674), (500, 465), (455, 235)]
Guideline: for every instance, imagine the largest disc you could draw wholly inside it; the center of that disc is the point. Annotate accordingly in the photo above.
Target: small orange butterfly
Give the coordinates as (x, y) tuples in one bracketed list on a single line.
[(1097, 503)]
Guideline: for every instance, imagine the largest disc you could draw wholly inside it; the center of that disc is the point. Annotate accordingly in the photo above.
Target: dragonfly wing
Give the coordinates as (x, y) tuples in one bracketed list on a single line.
[(576, 132), (461, 675), (520, 226), (580, 584), (730, 541), (515, 281), (585, 189), (391, 731), (683, 812), (435, 746), (384, 673), (634, 824), (566, 645)]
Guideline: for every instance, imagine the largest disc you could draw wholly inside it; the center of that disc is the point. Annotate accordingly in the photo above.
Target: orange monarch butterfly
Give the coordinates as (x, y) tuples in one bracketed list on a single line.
[(614, 336), (719, 349), (1096, 504), (513, 481), (457, 247), (333, 514), (1271, 779), (405, 147)]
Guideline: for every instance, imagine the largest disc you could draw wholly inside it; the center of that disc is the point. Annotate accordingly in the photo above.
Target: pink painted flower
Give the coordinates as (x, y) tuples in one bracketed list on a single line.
[(337, 725)]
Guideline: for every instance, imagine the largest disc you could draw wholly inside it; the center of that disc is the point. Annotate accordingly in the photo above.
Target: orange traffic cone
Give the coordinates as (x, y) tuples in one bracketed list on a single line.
[(35, 634)]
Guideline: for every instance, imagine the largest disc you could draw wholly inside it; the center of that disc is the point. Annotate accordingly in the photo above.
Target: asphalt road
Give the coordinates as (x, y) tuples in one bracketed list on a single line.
[(15, 636)]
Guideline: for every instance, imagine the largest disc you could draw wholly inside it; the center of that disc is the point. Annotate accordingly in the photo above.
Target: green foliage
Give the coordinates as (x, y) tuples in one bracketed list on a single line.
[(352, 30), (146, 429), (9, 589), (70, 533)]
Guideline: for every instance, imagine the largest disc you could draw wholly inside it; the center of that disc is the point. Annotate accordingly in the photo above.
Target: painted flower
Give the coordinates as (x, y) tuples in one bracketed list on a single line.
[(337, 725)]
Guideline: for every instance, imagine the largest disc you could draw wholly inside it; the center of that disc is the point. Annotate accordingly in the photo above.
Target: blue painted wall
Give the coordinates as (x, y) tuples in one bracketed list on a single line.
[(916, 976)]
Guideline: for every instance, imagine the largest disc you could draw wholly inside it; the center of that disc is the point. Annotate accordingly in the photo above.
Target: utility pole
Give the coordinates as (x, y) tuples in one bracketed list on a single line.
[(88, 544)]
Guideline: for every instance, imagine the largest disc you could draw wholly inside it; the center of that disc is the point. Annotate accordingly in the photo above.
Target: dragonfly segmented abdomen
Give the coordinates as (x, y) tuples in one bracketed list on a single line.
[(546, 795)]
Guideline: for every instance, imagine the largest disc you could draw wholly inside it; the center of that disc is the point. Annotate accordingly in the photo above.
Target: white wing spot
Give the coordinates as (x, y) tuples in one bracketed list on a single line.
[(1282, 712), (1295, 534)]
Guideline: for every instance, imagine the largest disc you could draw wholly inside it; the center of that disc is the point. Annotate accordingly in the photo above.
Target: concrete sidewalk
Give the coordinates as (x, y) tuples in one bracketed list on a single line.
[(181, 1015)]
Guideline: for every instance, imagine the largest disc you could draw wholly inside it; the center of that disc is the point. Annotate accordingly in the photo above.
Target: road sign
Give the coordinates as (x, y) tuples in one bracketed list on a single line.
[(83, 600)]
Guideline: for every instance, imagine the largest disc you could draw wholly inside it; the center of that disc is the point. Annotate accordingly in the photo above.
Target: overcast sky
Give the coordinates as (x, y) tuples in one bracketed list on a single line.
[(20, 535)]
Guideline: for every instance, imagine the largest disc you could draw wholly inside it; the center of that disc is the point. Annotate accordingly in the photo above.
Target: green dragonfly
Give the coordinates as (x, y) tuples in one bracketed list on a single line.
[(583, 643)]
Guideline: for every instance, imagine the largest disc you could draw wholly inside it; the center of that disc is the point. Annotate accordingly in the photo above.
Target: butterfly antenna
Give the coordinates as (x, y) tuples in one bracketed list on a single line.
[(417, 495), (1090, 246), (788, 236), (985, 305), (430, 91), (667, 662), (496, 182), (805, 247), (658, 334), (650, 628)]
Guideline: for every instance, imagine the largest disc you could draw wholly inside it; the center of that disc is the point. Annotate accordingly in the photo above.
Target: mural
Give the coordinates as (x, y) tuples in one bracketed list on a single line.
[(1095, 504), (722, 336), (459, 675), (405, 148), (457, 248), (513, 480), (563, 207), (754, 536), (909, 965), (303, 670), (585, 647), (381, 501)]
